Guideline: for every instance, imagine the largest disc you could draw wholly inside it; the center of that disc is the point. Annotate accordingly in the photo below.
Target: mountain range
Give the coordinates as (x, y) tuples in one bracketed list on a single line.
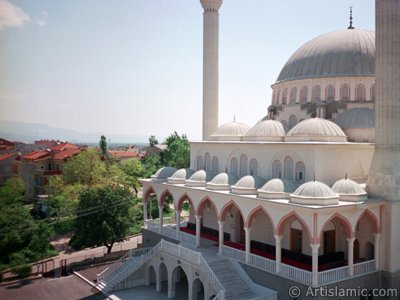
[(29, 132)]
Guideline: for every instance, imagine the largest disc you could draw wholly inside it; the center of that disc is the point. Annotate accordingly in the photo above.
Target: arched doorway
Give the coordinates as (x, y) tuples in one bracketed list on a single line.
[(197, 290), (209, 217), (179, 283), (151, 276), (367, 226), (162, 284), (234, 224)]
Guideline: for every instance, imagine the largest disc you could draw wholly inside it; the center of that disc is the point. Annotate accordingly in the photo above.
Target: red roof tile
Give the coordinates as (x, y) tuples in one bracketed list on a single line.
[(125, 154), (63, 146), (6, 156), (36, 155), (67, 153)]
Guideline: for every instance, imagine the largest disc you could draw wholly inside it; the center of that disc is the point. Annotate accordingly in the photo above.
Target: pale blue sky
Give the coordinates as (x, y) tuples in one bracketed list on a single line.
[(135, 66)]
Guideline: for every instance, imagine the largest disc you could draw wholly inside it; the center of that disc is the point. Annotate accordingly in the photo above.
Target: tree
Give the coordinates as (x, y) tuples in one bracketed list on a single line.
[(152, 141), (103, 146), (85, 168), (133, 169), (12, 192), (104, 217), (150, 165), (177, 153)]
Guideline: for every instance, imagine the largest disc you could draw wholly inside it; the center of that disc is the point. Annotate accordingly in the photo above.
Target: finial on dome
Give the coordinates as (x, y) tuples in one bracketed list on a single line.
[(345, 176), (351, 18), (234, 118), (314, 177)]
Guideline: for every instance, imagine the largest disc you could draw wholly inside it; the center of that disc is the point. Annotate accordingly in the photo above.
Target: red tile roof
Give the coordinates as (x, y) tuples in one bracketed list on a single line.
[(125, 154), (67, 153), (63, 146), (36, 155), (6, 156)]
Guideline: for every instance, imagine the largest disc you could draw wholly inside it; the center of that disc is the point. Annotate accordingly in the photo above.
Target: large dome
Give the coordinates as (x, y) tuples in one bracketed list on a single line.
[(344, 53), (232, 131), (316, 129)]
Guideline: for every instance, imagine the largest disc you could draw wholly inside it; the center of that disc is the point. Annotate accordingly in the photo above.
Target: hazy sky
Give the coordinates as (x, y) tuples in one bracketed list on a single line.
[(135, 66)]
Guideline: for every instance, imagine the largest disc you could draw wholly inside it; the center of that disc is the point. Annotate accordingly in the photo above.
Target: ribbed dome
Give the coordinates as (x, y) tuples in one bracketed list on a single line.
[(265, 130), (233, 131), (247, 185), (198, 179), (276, 188), (222, 181), (180, 176), (349, 53), (163, 173), (316, 129), (359, 117), (349, 190), (314, 193)]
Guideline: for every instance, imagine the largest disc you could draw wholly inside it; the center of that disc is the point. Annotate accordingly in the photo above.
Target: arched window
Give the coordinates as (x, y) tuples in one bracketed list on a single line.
[(288, 170), (330, 92), (292, 121), (207, 162), (316, 92), (253, 167), (278, 98), (293, 95), (200, 163), (234, 165), (345, 92), (243, 165), (300, 172), (284, 96), (373, 92), (277, 169), (360, 92), (303, 94), (214, 166)]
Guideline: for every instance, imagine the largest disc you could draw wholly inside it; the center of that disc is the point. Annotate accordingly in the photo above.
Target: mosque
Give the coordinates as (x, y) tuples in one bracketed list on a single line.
[(309, 196)]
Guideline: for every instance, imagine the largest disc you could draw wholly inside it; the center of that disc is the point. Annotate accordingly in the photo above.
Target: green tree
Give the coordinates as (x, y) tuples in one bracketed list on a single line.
[(133, 169), (103, 146), (12, 192), (85, 168), (104, 217), (177, 153), (150, 165), (152, 141)]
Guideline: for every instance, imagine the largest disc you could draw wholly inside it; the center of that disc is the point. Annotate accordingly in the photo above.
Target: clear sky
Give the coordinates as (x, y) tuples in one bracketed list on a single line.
[(135, 66)]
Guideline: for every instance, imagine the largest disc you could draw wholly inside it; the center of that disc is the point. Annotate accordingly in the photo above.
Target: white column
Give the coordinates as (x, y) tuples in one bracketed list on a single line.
[(171, 288), (377, 254), (278, 252), (220, 236), (350, 255), (247, 240), (160, 218), (178, 222), (314, 248), (210, 66), (158, 282), (198, 225), (145, 214)]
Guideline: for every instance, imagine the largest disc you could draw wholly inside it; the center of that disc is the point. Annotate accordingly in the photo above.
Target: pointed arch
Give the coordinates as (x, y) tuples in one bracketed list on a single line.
[(182, 199), (163, 196), (252, 214), (147, 194), (374, 220), (225, 208), (200, 208), (343, 220), (291, 217)]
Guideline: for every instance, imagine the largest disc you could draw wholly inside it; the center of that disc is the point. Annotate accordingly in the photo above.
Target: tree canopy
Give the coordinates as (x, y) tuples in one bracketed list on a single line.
[(103, 145), (177, 153), (104, 217), (152, 141)]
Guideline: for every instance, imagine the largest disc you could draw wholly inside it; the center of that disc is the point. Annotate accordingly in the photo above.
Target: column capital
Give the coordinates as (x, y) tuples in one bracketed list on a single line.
[(198, 217), (221, 223), (315, 247), (278, 237), (351, 240), (247, 229)]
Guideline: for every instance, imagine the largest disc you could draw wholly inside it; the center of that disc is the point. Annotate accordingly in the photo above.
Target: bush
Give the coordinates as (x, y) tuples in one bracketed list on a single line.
[(22, 271)]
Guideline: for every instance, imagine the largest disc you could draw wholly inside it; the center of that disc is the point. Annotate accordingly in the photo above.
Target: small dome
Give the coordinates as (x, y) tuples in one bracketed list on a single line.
[(198, 179), (233, 131), (247, 185), (343, 53), (349, 190), (358, 117), (265, 130), (163, 173), (222, 181), (276, 188), (314, 193), (316, 129), (180, 176)]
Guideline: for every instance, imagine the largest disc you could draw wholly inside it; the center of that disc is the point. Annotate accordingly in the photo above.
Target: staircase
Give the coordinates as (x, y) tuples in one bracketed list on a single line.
[(236, 287)]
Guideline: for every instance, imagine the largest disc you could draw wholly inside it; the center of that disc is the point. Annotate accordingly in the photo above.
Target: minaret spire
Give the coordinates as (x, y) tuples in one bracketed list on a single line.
[(351, 18)]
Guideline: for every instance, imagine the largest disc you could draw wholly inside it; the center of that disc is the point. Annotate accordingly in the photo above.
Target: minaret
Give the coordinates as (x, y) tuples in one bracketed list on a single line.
[(210, 66), (384, 174)]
